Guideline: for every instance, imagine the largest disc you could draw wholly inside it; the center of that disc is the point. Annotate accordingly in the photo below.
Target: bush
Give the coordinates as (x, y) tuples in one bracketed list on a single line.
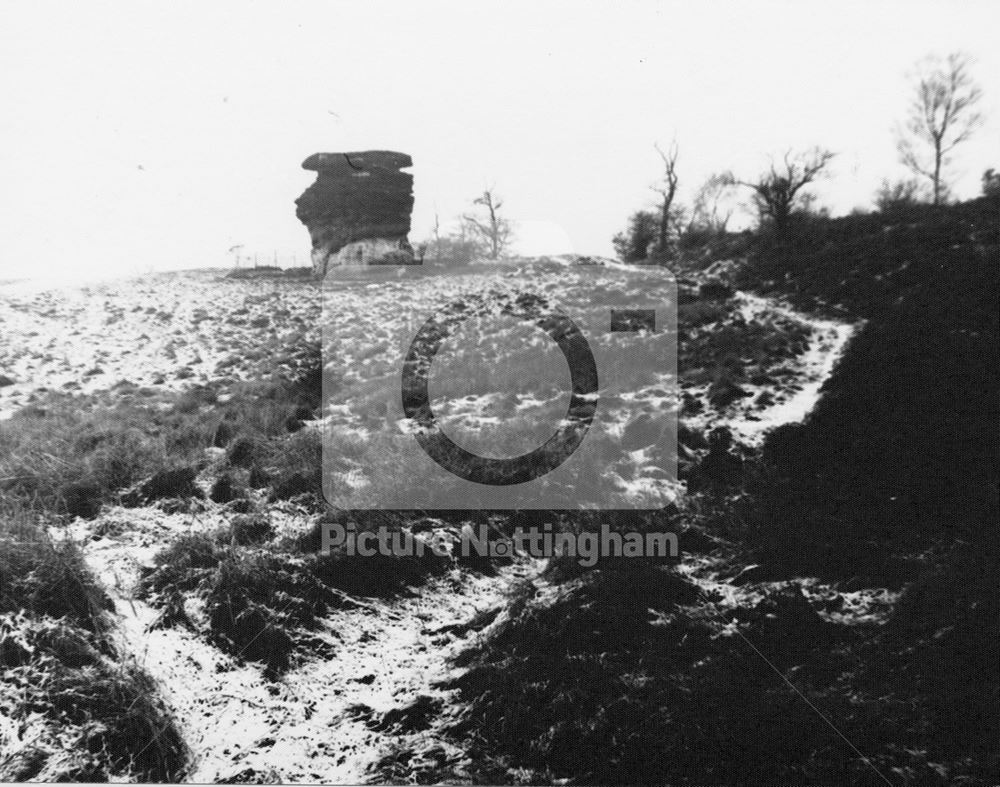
[(991, 183), (225, 489), (183, 565), (894, 197), (633, 244), (595, 680), (255, 600)]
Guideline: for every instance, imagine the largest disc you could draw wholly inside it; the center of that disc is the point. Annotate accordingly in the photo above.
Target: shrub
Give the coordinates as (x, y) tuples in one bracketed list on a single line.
[(991, 183), (893, 197), (595, 680), (632, 244)]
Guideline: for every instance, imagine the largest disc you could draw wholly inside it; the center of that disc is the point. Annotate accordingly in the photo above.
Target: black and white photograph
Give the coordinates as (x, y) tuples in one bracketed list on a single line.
[(500, 393)]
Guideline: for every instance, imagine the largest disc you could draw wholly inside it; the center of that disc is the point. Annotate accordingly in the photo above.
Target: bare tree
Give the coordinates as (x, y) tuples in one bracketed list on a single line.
[(667, 189), (942, 115), (710, 213), (493, 230), (778, 193), (436, 238)]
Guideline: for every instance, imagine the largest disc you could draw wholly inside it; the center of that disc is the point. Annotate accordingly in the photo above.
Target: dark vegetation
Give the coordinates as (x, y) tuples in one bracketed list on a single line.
[(67, 456), (778, 194), (638, 675), (89, 714), (260, 596), (71, 455), (726, 352), (634, 673), (901, 453), (257, 602), (264, 597)]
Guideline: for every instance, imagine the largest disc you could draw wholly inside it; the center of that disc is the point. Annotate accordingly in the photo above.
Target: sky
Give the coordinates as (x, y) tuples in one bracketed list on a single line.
[(146, 136)]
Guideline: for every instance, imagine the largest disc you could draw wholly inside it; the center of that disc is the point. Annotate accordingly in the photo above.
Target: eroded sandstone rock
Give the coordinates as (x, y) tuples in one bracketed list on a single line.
[(358, 210)]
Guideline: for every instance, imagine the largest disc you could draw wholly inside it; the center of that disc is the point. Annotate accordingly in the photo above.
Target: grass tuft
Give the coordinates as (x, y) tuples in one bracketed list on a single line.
[(93, 715)]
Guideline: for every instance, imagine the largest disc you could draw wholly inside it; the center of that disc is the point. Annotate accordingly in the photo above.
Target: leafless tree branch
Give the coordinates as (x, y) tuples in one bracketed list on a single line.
[(667, 189), (941, 116), (493, 230), (778, 191)]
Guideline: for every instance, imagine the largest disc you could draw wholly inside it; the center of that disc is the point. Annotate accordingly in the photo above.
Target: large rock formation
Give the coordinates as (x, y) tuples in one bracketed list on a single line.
[(358, 210)]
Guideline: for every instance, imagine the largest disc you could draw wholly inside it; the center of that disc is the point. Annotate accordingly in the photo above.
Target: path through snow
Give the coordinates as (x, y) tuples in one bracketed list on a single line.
[(314, 724), (310, 726), (830, 338)]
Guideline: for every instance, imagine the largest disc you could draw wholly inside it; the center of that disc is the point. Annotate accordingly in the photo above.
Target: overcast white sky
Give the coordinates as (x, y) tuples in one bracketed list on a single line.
[(145, 135)]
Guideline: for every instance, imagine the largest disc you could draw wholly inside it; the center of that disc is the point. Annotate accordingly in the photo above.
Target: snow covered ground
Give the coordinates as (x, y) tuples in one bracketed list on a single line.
[(164, 332), (324, 721), (315, 725), (830, 338)]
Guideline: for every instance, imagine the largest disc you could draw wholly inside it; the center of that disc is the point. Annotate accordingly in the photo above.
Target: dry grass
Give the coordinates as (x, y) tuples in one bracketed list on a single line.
[(70, 455), (636, 676), (85, 712), (79, 709), (263, 596)]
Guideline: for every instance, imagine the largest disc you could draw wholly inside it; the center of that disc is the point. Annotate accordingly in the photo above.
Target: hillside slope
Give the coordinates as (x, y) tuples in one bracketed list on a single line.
[(764, 657)]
